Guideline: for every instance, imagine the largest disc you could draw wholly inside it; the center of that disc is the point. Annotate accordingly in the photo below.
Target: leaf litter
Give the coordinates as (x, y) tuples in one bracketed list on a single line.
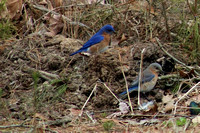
[(66, 82)]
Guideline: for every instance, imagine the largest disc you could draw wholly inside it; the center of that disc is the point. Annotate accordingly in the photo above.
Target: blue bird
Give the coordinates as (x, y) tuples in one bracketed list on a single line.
[(99, 42), (149, 79)]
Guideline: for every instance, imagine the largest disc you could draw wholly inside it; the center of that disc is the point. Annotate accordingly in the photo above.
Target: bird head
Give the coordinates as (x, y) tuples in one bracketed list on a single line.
[(108, 29), (155, 67)]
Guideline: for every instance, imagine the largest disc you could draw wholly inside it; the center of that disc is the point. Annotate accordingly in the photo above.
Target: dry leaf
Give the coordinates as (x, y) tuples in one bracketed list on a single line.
[(41, 116), (75, 112), (167, 98), (119, 40), (43, 2), (56, 25), (196, 119), (123, 107), (142, 5), (94, 1), (169, 101), (187, 75), (56, 3), (14, 7), (169, 106)]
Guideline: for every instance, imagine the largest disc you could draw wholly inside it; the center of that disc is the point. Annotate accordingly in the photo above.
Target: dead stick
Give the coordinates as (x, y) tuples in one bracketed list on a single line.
[(130, 104), (196, 85), (111, 92), (140, 77), (87, 100)]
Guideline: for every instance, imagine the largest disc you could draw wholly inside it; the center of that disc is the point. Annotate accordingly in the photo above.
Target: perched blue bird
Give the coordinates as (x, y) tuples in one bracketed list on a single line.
[(99, 42), (149, 79)]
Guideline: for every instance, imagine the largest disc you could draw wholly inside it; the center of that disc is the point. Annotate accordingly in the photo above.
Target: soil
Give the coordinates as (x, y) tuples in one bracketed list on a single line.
[(65, 82)]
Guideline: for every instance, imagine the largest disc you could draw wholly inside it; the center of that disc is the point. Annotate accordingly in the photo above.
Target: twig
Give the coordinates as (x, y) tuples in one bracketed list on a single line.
[(87, 100), (196, 85), (19, 125), (111, 92), (64, 17), (168, 76), (140, 77), (130, 104), (90, 117), (174, 57), (186, 81), (44, 74)]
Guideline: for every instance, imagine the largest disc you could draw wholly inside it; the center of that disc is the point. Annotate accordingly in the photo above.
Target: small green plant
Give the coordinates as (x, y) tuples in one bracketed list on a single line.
[(6, 29), (1, 92), (167, 123), (181, 121), (108, 125), (2, 5), (62, 87), (104, 114)]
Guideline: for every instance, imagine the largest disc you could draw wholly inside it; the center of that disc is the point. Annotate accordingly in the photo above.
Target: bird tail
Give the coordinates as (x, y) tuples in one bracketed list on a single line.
[(78, 51), (124, 94)]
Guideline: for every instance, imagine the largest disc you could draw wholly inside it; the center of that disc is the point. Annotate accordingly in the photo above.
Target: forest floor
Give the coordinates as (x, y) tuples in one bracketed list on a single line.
[(43, 89)]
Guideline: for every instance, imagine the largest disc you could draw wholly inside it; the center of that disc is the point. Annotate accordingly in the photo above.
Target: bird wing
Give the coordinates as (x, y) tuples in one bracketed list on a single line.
[(134, 85), (94, 40), (145, 78)]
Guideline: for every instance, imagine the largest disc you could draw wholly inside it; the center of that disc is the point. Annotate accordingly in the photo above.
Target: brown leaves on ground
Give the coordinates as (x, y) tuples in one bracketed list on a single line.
[(65, 82)]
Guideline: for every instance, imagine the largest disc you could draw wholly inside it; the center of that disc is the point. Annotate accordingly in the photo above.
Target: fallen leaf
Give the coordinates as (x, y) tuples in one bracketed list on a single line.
[(142, 5), (41, 116), (169, 106), (56, 25), (14, 7), (187, 74), (167, 98), (117, 41), (123, 107), (196, 119), (56, 3), (75, 112)]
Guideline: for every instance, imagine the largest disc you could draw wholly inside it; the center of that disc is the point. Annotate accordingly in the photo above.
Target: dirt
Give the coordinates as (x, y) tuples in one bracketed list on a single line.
[(65, 82), (79, 73)]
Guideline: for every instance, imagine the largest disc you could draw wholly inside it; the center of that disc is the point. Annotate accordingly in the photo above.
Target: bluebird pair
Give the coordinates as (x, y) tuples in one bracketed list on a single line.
[(99, 42), (149, 79)]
